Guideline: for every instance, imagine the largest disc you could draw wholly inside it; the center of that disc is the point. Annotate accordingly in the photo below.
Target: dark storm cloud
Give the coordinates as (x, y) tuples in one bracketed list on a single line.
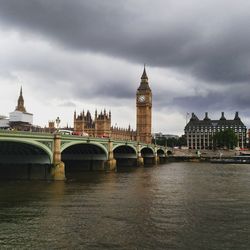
[(202, 39), (230, 100), (118, 89)]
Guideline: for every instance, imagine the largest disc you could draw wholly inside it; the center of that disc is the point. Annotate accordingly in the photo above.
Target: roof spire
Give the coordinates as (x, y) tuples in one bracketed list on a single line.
[(144, 80), (20, 102), (144, 74)]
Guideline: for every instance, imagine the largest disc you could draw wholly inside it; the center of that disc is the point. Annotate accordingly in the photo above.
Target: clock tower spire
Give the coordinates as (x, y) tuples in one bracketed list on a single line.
[(144, 110)]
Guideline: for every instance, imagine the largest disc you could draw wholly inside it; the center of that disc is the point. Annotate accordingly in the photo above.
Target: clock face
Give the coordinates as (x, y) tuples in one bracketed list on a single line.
[(141, 98)]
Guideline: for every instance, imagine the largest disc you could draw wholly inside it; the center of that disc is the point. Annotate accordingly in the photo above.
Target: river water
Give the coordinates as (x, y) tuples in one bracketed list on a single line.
[(171, 206)]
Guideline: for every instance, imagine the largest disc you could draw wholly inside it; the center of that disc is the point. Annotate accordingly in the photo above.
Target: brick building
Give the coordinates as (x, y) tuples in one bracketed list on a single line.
[(100, 125)]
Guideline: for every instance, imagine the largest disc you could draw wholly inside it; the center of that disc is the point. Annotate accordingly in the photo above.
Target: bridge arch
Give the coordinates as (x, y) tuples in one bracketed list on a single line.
[(66, 145), (128, 145), (21, 159), (80, 156), (32, 145), (125, 155), (169, 152), (147, 149), (148, 155), (160, 152), (161, 155)]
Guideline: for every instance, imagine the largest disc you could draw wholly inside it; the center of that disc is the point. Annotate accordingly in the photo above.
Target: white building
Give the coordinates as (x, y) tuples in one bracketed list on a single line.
[(4, 122), (20, 119), (19, 116)]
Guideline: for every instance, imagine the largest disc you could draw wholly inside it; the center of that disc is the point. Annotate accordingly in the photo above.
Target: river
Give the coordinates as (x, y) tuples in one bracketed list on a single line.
[(170, 206)]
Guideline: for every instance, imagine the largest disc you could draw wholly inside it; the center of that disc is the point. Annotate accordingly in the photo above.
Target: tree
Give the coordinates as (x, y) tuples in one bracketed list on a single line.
[(160, 141), (170, 142), (226, 138), (182, 141)]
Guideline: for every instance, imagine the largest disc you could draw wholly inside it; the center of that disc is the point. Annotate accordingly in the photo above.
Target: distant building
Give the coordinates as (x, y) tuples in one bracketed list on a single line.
[(144, 110), (4, 122), (199, 133), (167, 136), (100, 124), (20, 119)]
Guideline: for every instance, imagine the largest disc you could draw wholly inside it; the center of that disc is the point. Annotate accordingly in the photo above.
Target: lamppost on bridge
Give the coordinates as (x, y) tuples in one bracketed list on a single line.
[(57, 123)]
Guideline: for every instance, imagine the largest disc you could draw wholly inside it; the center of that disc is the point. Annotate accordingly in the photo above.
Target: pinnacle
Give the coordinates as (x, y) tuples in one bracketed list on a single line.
[(144, 74)]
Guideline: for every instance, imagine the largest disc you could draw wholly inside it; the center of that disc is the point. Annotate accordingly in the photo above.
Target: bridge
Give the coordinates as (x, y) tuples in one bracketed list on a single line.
[(56, 154)]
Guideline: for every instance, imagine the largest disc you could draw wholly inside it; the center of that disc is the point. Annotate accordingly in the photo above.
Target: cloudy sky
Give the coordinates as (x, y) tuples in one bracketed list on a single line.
[(89, 54)]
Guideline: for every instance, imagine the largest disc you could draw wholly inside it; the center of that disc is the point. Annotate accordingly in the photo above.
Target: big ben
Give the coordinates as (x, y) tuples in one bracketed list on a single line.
[(144, 110)]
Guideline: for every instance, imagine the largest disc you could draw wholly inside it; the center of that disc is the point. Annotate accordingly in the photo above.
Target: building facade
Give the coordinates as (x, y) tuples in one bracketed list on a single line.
[(100, 125), (19, 119), (144, 110), (4, 122), (199, 133)]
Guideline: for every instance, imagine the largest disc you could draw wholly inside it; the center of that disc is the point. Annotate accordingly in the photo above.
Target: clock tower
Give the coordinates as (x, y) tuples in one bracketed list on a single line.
[(144, 110)]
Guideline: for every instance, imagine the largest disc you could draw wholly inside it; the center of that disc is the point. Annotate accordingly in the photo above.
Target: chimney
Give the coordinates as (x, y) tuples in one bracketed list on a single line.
[(236, 116), (222, 116)]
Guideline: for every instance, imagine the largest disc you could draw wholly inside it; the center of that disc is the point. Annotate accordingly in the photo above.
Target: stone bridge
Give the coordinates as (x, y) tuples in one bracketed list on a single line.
[(65, 151)]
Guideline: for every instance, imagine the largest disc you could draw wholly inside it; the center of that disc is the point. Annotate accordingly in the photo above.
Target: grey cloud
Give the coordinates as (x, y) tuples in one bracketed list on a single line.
[(195, 38), (104, 89), (200, 39), (67, 104), (230, 100)]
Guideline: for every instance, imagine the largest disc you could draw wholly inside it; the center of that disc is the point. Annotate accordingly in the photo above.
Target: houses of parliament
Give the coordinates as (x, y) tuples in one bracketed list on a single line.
[(100, 125)]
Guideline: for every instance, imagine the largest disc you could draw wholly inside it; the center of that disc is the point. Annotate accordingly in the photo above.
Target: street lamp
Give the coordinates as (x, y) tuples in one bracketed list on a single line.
[(57, 122)]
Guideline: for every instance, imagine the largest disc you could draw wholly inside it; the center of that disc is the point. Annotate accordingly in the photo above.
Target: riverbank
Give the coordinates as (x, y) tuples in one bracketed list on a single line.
[(189, 155)]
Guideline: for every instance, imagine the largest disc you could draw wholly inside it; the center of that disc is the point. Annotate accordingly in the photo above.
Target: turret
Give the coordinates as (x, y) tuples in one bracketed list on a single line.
[(206, 117), (222, 116), (194, 117), (237, 116)]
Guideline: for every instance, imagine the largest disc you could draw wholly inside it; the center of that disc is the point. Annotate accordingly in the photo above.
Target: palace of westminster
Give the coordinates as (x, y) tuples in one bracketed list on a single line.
[(100, 125), (198, 133)]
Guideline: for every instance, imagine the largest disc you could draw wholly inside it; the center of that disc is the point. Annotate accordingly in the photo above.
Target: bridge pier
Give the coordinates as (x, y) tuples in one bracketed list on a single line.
[(140, 159), (156, 159), (58, 168), (111, 162)]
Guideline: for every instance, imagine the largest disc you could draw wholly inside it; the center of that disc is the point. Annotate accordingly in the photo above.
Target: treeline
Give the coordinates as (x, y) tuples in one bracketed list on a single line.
[(171, 142), (222, 139)]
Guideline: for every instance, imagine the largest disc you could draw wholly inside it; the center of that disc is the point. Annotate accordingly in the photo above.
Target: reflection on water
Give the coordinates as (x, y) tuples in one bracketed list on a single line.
[(172, 206)]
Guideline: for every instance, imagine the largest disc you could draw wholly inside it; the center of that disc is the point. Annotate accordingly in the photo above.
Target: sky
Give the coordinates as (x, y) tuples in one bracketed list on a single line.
[(89, 54)]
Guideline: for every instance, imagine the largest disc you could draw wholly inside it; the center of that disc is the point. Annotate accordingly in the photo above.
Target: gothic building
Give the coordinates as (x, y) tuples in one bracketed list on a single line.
[(100, 125), (144, 110), (20, 119), (199, 133)]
